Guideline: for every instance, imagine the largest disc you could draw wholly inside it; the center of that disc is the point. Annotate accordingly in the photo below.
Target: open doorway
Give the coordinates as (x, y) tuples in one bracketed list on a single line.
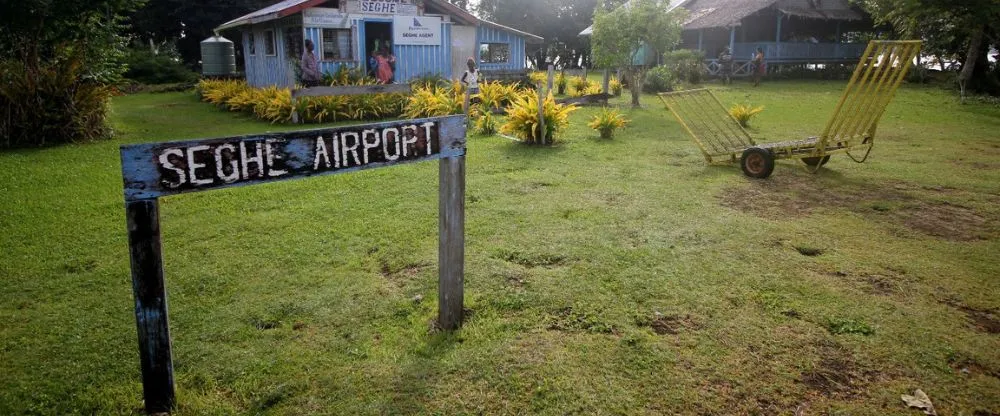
[(377, 35)]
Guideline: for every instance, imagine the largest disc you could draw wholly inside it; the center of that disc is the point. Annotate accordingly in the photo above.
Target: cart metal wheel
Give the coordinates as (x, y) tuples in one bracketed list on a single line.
[(757, 163), (816, 161)]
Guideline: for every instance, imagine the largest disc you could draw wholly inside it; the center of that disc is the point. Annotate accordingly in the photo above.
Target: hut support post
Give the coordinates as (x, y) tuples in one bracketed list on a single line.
[(551, 76), (777, 38), (541, 113), (838, 41), (732, 39), (701, 38)]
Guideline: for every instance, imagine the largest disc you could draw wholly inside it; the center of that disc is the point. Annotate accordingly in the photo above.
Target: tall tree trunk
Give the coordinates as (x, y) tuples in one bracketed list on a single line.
[(970, 59), (636, 88)]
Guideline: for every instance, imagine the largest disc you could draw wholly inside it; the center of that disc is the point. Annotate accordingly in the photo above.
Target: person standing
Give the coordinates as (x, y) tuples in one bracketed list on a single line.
[(386, 61), (373, 64), (471, 77), (726, 66), (759, 66), (311, 75)]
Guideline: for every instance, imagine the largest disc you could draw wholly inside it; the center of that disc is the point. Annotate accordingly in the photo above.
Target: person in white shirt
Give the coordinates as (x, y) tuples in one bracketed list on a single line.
[(471, 77)]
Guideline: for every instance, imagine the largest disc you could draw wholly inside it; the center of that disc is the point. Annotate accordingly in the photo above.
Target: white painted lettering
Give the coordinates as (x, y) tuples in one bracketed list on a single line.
[(193, 166), (274, 153), (321, 154), (167, 164), (353, 149), (409, 139), (258, 159), (385, 143), (427, 129), (367, 144), (220, 164), (336, 151)]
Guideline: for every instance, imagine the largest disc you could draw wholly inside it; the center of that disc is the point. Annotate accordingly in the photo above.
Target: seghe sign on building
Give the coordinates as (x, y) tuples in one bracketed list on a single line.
[(382, 7)]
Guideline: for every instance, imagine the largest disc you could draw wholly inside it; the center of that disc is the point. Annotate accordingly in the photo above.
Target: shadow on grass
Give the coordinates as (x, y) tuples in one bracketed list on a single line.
[(532, 151), (415, 380)]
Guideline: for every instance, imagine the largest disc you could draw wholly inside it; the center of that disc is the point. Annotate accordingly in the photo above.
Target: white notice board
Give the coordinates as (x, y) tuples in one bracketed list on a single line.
[(416, 30)]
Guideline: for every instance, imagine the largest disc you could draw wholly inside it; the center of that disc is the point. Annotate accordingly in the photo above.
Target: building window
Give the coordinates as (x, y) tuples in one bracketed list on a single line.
[(494, 53), (293, 42), (270, 46), (251, 44), (336, 45)]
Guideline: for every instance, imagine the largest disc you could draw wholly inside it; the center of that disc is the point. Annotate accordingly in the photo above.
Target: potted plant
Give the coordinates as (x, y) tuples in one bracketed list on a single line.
[(607, 121)]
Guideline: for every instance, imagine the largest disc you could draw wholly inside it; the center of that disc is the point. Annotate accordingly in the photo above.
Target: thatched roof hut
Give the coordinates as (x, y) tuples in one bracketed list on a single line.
[(794, 31), (706, 14)]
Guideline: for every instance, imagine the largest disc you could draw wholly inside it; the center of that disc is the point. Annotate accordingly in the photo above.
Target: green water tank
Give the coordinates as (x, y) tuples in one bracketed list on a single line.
[(218, 57)]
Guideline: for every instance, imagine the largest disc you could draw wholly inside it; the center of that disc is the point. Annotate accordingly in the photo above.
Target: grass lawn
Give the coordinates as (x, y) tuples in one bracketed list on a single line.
[(615, 276)]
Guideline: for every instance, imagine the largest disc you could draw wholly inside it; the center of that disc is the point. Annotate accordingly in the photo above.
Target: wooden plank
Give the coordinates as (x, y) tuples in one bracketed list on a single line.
[(353, 90), (154, 170), (586, 100), (143, 221), (451, 242)]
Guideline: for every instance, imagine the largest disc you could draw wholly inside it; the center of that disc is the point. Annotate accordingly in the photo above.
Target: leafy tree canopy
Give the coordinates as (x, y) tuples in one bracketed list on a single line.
[(37, 30), (189, 21), (952, 29), (621, 33)]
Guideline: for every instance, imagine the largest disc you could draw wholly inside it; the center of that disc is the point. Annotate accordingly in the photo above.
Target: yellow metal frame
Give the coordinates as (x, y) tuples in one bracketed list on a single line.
[(881, 71)]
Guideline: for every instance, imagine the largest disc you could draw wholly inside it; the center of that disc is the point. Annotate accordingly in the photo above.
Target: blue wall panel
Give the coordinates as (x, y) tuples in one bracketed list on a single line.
[(414, 61), (489, 34), (263, 70)]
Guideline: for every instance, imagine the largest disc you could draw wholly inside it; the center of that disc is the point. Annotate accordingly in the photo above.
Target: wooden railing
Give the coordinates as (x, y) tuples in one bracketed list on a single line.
[(779, 52)]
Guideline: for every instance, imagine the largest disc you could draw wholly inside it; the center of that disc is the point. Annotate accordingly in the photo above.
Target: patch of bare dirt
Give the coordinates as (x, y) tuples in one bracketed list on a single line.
[(884, 283), (977, 165), (672, 324), (970, 366), (836, 373), (901, 204), (569, 319), (515, 278), (945, 220), (983, 320), (401, 274)]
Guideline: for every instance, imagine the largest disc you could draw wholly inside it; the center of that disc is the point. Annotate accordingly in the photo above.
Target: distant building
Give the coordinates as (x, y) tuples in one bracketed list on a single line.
[(789, 31), (428, 37)]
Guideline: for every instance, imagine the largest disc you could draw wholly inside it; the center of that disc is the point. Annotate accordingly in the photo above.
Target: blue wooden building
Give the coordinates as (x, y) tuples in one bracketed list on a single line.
[(428, 37)]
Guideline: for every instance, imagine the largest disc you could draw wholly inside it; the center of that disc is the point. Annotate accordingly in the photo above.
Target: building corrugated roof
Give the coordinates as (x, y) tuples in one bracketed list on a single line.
[(290, 7), (272, 12)]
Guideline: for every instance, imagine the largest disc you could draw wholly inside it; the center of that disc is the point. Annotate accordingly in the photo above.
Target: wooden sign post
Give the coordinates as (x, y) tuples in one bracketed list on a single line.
[(155, 170)]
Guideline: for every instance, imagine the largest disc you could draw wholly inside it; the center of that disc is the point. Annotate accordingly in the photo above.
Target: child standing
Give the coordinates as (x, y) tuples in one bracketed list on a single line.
[(471, 77)]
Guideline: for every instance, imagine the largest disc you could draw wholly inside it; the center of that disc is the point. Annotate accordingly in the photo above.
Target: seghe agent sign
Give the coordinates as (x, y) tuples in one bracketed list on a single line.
[(151, 171), (416, 30)]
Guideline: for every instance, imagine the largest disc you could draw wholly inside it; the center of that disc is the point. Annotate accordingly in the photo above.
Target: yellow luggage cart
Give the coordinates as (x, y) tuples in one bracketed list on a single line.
[(851, 129)]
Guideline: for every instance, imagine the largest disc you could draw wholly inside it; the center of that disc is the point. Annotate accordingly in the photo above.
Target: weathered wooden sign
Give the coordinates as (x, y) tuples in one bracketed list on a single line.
[(151, 171)]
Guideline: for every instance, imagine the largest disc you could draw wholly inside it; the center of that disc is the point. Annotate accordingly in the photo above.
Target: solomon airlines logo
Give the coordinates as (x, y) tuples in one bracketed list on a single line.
[(416, 23)]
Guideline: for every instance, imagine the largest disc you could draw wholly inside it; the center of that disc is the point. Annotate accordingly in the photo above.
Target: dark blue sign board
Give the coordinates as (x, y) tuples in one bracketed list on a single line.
[(155, 170)]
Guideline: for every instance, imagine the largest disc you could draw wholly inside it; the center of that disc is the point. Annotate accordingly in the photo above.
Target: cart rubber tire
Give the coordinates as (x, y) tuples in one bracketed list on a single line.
[(757, 163), (816, 161)]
